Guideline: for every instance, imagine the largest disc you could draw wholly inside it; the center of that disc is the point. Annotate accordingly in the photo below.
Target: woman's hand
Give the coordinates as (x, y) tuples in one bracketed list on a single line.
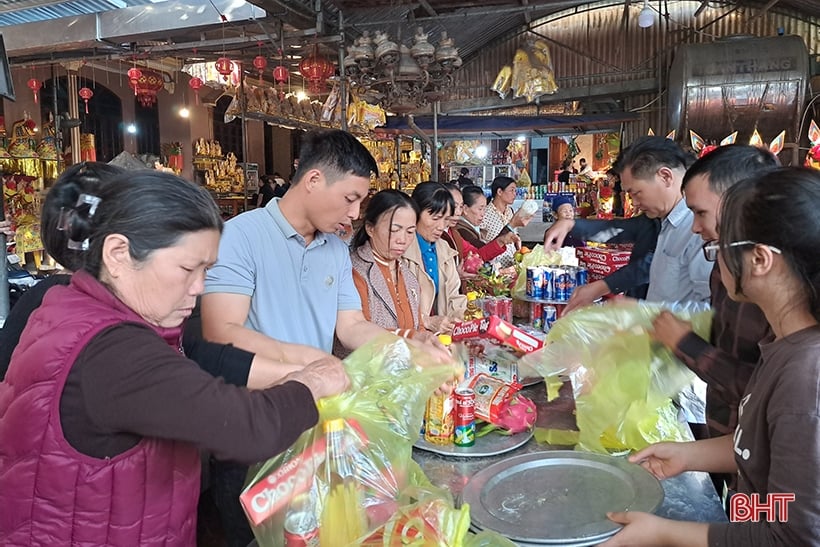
[(585, 295), (439, 324), (665, 460), (509, 237), (669, 330), (643, 529), (324, 377), (520, 219)]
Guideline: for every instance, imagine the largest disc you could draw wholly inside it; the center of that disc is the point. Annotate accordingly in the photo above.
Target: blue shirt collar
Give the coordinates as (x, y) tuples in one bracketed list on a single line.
[(319, 238)]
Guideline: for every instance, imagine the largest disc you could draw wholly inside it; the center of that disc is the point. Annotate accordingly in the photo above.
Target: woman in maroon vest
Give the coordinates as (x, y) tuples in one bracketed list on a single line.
[(100, 413)]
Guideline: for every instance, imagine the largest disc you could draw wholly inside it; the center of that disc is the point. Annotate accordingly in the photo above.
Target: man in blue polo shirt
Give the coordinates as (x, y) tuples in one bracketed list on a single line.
[(282, 284)]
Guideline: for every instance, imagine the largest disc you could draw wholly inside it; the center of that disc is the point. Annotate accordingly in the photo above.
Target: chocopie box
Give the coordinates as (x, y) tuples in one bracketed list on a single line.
[(497, 329), (604, 257)]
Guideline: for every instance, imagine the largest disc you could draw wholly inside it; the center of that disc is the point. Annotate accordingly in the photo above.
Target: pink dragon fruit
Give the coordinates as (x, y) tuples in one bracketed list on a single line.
[(472, 262), (517, 415)]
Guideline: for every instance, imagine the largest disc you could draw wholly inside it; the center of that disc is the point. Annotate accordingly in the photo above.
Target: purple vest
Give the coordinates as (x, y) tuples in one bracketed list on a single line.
[(49, 493)]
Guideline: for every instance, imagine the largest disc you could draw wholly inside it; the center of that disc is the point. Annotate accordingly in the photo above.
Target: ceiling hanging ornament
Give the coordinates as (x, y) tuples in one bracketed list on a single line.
[(86, 94), (260, 63), (35, 85), (195, 84), (316, 70), (224, 66), (146, 86), (134, 75)]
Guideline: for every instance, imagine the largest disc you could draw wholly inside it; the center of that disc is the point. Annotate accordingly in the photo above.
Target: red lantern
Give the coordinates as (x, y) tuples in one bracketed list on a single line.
[(316, 70), (85, 94), (281, 75), (195, 84), (260, 63), (224, 66), (147, 86), (134, 75), (35, 85)]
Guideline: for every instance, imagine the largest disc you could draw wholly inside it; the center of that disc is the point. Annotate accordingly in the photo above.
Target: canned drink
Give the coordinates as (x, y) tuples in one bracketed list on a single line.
[(549, 283), (535, 282), (564, 283), (301, 529), (549, 317), (536, 309), (581, 276), (464, 417)]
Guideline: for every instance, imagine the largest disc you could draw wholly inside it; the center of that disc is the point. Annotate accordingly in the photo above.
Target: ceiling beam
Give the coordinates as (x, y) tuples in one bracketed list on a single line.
[(21, 5), (428, 8), (564, 94)]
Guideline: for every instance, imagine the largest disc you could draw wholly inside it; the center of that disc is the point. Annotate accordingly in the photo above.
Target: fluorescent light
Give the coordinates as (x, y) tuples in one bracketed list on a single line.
[(521, 138), (647, 16), (184, 112), (131, 128), (481, 151), (301, 95)]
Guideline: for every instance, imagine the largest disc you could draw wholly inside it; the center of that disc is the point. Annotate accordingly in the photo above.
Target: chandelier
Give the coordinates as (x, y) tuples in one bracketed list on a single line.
[(398, 78)]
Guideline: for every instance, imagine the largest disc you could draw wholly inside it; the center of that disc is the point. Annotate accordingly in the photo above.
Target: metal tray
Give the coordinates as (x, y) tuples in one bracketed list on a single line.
[(531, 381), (491, 444), (559, 497)]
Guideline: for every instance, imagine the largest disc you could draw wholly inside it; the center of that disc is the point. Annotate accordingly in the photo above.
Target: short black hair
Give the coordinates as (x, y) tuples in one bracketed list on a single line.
[(382, 202), (727, 165), (648, 154), (500, 183), (337, 153), (464, 171), (434, 197)]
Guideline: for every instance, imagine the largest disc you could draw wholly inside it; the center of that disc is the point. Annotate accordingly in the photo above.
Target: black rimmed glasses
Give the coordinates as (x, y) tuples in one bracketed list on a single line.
[(711, 248)]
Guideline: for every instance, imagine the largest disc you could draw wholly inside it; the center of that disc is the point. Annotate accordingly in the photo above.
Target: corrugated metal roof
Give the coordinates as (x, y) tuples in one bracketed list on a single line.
[(11, 15)]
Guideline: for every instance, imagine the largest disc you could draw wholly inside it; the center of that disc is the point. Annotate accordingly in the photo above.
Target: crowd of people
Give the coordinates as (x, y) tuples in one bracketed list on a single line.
[(112, 390)]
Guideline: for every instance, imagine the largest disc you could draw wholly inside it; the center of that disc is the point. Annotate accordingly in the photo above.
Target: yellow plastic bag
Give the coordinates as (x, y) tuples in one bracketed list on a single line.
[(537, 257), (622, 381), (351, 473)]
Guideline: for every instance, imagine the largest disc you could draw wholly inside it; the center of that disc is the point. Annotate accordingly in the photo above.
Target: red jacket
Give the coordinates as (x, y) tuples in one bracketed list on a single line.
[(51, 494)]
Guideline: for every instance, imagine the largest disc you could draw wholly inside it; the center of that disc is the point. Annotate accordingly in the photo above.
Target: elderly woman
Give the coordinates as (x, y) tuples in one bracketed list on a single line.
[(499, 215), (433, 261), (389, 290), (468, 226), (101, 416)]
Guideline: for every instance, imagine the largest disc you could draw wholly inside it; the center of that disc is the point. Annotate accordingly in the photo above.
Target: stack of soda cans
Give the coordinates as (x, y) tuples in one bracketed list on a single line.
[(554, 285)]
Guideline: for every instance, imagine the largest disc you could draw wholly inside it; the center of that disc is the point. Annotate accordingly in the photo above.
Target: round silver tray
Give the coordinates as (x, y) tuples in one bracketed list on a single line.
[(491, 444), (526, 298), (559, 497)]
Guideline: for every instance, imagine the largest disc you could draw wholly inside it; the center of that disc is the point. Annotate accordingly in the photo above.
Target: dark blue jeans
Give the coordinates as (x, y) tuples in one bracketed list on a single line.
[(227, 480)]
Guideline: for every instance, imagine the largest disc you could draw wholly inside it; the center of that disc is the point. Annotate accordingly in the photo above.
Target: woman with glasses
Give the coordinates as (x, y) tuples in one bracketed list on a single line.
[(767, 251)]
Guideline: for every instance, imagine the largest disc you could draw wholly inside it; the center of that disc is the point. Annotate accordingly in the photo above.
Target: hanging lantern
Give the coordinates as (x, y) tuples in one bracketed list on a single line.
[(35, 85), (134, 75), (224, 66), (147, 86), (86, 94), (195, 84), (260, 63), (316, 70), (281, 75)]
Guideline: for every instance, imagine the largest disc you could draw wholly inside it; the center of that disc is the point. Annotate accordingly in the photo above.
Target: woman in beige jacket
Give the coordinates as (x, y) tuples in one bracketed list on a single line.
[(433, 261)]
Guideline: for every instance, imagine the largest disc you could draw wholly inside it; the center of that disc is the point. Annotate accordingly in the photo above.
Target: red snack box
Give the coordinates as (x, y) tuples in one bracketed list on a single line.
[(497, 329), (604, 257)]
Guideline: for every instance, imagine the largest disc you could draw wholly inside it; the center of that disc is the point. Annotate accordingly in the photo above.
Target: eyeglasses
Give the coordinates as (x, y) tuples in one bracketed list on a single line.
[(711, 248)]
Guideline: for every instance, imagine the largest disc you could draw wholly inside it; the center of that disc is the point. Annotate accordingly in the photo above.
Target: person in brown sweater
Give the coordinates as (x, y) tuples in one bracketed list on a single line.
[(767, 251)]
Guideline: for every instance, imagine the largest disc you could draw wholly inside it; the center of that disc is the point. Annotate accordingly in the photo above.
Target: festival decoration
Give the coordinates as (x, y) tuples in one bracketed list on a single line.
[(86, 94), (195, 84), (134, 75), (700, 146), (316, 70), (813, 157), (35, 85), (260, 63), (146, 86), (224, 66)]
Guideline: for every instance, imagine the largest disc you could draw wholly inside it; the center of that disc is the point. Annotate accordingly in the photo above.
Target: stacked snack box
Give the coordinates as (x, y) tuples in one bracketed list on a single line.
[(602, 261)]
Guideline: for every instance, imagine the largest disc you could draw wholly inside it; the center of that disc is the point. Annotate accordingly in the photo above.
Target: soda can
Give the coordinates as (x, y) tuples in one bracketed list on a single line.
[(301, 529), (504, 308), (549, 316), (548, 289), (536, 320), (581, 276), (535, 282), (564, 283), (464, 417)]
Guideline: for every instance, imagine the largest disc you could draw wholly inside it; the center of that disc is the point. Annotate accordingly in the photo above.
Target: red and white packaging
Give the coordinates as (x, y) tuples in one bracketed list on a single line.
[(605, 257), (491, 394), (497, 329)]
